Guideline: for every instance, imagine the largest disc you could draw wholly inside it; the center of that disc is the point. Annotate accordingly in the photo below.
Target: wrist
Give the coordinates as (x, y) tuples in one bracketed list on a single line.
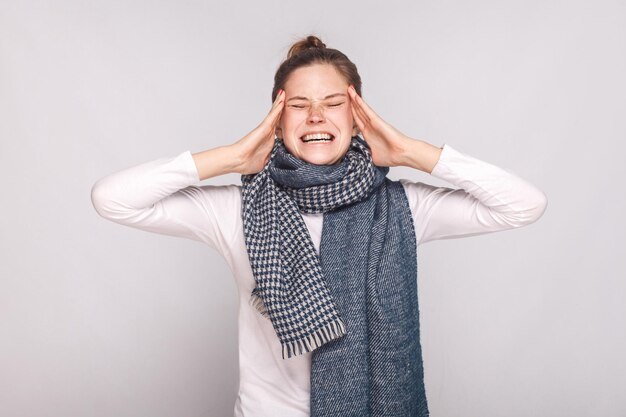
[(215, 162), (234, 154), (418, 154)]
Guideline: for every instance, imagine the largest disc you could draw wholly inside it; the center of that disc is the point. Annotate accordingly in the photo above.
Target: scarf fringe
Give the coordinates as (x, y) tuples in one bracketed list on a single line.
[(331, 331), (259, 305)]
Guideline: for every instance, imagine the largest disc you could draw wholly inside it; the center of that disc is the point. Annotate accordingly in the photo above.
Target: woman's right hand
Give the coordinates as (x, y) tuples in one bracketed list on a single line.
[(254, 149)]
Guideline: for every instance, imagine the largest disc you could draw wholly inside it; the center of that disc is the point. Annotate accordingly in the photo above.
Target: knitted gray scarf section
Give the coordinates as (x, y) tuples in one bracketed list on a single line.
[(355, 306)]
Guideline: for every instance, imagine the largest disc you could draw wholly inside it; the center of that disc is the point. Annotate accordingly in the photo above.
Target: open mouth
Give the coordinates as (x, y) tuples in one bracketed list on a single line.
[(317, 137)]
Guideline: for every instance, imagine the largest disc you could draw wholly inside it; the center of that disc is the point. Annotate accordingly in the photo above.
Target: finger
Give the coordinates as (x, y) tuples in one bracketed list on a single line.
[(278, 101), (365, 109), (353, 103), (357, 106), (277, 107), (357, 119), (273, 126), (359, 111), (276, 116)]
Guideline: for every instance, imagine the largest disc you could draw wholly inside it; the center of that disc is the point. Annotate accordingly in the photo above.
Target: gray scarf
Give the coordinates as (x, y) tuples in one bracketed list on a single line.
[(355, 306)]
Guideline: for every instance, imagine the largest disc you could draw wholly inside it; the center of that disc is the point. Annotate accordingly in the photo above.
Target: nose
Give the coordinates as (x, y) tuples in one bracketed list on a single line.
[(316, 114)]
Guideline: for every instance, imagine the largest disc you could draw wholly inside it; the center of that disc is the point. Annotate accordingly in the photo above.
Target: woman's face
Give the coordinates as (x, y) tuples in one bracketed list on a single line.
[(316, 101)]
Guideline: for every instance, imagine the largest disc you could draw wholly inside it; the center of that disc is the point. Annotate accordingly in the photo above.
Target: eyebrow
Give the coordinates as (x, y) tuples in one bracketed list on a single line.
[(325, 98)]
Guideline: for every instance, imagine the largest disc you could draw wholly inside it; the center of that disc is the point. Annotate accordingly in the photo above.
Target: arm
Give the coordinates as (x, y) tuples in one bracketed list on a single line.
[(489, 199), (161, 196)]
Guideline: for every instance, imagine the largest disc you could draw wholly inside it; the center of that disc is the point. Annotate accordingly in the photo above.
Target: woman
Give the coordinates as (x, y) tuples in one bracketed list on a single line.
[(322, 244)]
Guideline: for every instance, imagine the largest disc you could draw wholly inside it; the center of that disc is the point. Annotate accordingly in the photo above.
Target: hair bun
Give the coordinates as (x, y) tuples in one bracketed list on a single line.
[(310, 41)]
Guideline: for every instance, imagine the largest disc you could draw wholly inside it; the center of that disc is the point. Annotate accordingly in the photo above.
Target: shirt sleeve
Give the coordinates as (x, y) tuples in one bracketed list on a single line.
[(489, 199), (162, 196)]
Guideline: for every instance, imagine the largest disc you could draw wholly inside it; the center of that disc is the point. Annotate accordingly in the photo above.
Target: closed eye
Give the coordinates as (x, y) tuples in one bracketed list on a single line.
[(299, 106)]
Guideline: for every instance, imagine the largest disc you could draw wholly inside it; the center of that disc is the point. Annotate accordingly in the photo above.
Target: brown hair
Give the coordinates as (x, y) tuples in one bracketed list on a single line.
[(309, 51)]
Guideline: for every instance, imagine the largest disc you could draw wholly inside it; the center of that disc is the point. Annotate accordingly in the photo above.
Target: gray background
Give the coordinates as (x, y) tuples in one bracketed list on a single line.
[(97, 319)]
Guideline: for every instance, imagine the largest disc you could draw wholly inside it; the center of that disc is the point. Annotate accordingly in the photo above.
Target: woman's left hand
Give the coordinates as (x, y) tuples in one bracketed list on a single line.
[(387, 144)]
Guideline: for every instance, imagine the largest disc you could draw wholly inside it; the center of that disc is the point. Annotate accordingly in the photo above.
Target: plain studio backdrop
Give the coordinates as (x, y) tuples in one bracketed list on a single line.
[(98, 319)]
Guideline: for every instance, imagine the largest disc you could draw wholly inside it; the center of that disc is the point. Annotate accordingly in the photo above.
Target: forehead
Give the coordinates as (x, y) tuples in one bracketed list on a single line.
[(315, 82)]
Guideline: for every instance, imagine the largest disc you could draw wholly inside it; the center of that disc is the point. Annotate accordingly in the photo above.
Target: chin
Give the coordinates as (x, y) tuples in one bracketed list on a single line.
[(317, 154), (320, 161)]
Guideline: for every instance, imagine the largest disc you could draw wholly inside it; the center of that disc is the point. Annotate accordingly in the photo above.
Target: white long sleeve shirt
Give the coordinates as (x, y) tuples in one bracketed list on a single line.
[(163, 196)]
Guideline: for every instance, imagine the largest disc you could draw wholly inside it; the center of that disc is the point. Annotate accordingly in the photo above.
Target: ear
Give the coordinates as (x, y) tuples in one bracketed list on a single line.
[(355, 130), (279, 132)]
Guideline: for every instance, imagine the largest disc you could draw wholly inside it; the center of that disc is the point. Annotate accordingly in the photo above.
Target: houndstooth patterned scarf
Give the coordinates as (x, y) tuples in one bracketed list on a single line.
[(289, 288)]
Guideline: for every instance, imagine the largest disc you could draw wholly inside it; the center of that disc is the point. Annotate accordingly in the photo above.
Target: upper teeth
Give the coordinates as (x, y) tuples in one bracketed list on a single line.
[(317, 136)]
